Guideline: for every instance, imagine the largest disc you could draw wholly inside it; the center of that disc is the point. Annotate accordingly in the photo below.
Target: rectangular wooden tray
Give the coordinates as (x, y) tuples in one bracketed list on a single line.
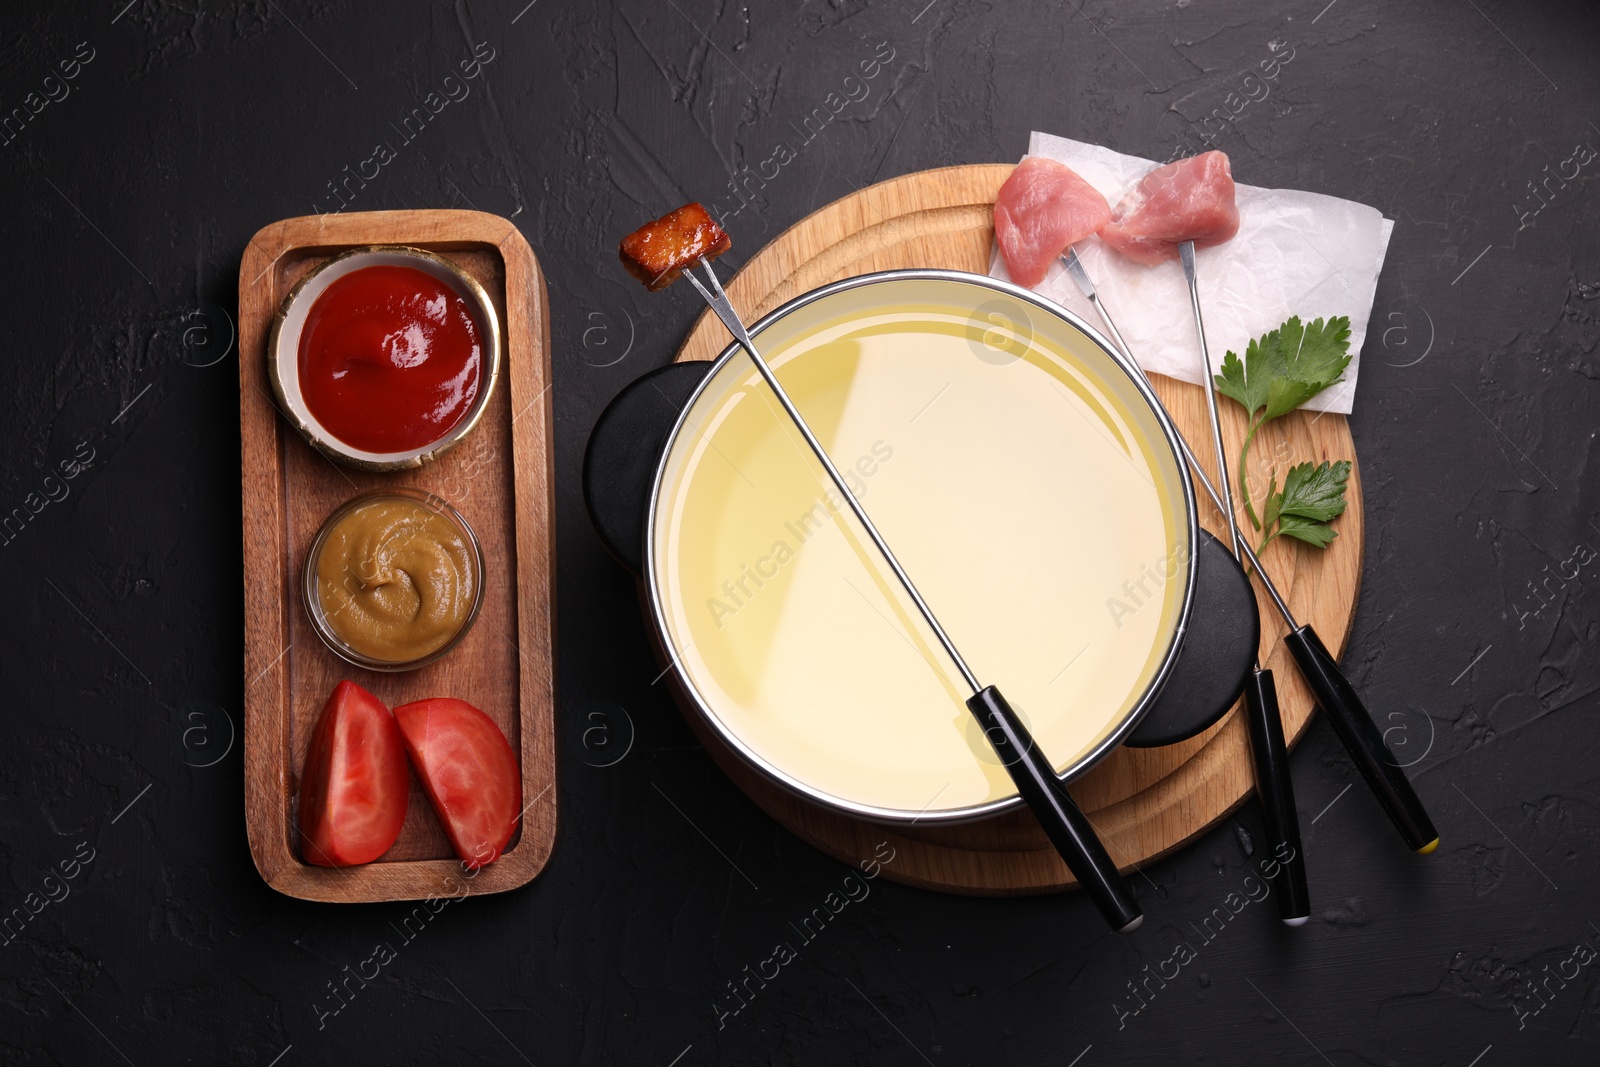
[(500, 479)]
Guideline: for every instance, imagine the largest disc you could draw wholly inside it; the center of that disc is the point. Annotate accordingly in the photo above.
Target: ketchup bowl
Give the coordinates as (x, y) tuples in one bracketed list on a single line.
[(385, 356)]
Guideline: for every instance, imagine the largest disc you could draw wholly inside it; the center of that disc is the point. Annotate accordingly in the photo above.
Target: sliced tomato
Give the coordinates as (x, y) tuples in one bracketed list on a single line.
[(354, 788), (469, 771)]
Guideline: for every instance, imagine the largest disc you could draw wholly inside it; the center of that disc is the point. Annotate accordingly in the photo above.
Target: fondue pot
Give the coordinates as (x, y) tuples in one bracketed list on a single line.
[(1025, 473)]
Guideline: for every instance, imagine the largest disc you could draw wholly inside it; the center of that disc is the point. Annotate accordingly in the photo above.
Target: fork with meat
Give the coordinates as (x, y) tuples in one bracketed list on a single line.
[(675, 244), (1160, 218), (1170, 212), (658, 253)]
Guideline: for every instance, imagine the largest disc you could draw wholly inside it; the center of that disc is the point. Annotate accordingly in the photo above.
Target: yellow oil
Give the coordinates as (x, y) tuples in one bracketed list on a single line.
[(1023, 487)]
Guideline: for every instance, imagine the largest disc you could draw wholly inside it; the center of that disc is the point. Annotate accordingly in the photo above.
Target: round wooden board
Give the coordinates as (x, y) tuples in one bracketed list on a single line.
[(1144, 802)]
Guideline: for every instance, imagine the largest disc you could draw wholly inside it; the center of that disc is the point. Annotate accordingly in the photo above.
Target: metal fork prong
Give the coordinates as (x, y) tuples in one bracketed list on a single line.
[(719, 303)]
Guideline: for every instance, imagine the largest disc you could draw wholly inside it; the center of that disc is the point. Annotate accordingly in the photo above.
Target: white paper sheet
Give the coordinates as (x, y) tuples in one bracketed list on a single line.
[(1295, 254)]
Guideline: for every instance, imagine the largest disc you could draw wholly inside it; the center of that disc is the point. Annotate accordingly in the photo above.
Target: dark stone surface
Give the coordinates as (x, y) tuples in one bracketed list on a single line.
[(128, 204)]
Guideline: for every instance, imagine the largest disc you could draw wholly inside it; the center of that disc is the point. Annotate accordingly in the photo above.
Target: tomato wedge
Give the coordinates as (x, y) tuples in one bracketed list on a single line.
[(469, 772), (354, 788)]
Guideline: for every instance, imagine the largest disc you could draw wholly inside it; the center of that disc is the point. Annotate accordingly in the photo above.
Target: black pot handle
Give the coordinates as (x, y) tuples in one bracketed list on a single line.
[(1218, 651), (619, 468), (619, 464)]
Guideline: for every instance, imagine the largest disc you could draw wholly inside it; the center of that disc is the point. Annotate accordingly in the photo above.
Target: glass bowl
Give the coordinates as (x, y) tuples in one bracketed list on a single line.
[(311, 592)]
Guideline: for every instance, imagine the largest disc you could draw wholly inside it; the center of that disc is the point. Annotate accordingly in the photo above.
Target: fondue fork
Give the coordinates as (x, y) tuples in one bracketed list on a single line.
[(1065, 824), (1337, 697), (1268, 751), (1261, 694)]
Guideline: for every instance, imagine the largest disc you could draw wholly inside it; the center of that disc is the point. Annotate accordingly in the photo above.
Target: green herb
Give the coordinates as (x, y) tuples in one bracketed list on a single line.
[(1312, 497), (1280, 371)]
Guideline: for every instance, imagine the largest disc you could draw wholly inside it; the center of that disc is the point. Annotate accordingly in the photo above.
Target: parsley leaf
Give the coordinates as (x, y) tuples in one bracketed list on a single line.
[(1321, 353), (1316, 492), (1307, 530), (1248, 387), (1312, 496), (1281, 370), (1274, 502)]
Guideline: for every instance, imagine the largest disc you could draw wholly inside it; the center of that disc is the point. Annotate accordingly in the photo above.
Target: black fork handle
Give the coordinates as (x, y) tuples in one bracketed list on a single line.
[(1363, 740), (1069, 830), (1276, 790)]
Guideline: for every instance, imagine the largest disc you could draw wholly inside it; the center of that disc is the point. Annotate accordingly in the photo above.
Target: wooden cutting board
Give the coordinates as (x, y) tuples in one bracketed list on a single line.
[(1144, 802), (499, 477)]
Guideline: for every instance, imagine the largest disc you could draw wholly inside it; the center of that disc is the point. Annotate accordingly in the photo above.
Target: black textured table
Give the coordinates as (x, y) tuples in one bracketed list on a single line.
[(144, 144)]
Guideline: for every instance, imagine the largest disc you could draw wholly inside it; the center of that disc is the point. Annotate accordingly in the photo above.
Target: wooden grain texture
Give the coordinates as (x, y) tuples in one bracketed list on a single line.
[(1144, 802), (499, 477)]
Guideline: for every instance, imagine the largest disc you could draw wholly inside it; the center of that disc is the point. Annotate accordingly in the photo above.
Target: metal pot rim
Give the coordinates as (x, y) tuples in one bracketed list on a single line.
[(977, 811)]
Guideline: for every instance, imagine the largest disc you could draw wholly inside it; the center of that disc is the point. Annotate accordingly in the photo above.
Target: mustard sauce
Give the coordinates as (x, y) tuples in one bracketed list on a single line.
[(396, 581)]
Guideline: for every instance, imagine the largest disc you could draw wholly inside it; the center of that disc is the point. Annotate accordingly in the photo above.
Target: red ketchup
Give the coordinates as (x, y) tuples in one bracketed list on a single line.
[(390, 359)]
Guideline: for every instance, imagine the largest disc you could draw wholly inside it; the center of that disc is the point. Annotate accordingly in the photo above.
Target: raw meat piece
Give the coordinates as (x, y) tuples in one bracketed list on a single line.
[(1190, 200), (1042, 208)]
